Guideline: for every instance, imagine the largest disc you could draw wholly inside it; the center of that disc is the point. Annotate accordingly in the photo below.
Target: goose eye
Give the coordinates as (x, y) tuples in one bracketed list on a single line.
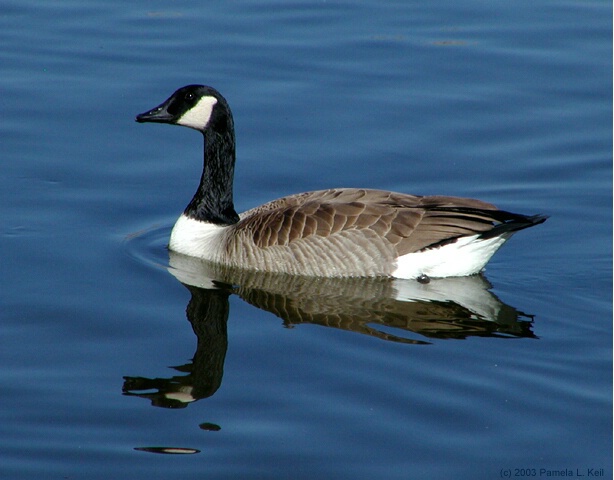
[(189, 96)]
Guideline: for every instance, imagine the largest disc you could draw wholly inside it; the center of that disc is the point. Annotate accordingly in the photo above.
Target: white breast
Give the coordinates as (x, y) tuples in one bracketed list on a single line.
[(196, 238)]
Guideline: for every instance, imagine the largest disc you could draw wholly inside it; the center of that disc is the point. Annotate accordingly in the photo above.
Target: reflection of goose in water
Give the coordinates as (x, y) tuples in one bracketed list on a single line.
[(443, 308), (207, 311), (403, 311)]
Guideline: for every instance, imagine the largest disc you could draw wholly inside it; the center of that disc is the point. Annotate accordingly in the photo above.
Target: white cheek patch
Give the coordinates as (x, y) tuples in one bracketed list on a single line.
[(198, 116)]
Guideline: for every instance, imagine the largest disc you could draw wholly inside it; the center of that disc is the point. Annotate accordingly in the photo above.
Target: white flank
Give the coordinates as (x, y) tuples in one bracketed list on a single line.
[(198, 116), (466, 256), (195, 238)]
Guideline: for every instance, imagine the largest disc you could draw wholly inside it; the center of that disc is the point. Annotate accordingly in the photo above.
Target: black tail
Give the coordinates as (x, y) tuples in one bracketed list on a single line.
[(511, 222)]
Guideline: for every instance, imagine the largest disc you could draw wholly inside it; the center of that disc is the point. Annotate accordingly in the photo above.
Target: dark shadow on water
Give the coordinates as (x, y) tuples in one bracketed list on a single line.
[(400, 311)]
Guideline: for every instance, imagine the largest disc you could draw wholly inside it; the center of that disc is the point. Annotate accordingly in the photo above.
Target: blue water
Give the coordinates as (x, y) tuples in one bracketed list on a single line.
[(509, 375)]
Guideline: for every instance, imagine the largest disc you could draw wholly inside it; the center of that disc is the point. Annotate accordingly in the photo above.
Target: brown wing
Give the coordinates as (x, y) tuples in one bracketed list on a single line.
[(408, 222)]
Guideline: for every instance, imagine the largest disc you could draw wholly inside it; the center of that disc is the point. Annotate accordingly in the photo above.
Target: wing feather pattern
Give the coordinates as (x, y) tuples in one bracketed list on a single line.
[(342, 231), (410, 223)]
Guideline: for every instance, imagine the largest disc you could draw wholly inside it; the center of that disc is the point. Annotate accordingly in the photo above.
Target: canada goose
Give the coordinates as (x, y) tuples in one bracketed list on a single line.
[(329, 233)]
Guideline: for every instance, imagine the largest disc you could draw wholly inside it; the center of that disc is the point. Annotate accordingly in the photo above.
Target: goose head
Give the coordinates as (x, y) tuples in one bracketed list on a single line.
[(195, 106), (206, 110)]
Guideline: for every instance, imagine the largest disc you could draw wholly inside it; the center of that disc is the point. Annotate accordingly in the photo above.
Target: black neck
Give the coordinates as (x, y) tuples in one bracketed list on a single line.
[(212, 201)]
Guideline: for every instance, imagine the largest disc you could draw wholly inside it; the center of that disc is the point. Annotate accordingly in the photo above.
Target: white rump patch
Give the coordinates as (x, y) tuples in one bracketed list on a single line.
[(466, 256), (198, 116)]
